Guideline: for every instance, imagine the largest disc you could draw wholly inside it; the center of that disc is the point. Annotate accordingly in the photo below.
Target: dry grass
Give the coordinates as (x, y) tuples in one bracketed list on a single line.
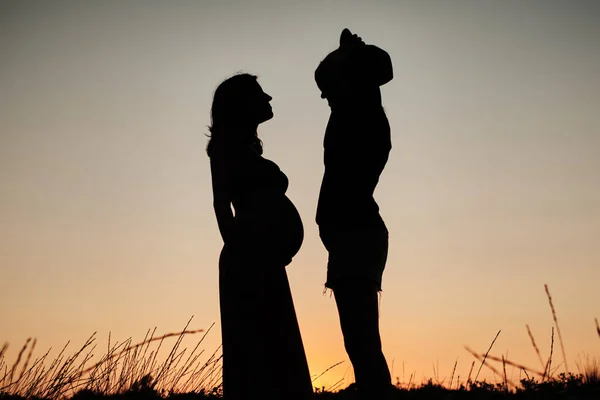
[(537, 350), (470, 372), (547, 371), (124, 367), (590, 370), (327, 370), (452, 376), (511, 363), (482, 358), (504, 371), (486, 354), (562, 346)]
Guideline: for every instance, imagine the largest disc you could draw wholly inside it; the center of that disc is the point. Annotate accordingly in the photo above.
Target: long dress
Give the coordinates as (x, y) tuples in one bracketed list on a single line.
[(263, 354)]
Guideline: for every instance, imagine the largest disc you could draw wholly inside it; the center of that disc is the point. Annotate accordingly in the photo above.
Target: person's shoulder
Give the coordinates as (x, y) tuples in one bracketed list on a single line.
[(228, 158)]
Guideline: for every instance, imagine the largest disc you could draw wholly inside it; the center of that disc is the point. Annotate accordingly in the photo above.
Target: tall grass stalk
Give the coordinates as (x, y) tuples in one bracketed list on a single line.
[(486, 354), (537, 350), (547, 372), (562, 346)]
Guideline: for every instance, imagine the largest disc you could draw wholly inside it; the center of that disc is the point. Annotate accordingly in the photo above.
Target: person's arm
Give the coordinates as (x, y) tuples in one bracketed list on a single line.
[(221, 185), (369, 64), (365, 62), (378, 65)]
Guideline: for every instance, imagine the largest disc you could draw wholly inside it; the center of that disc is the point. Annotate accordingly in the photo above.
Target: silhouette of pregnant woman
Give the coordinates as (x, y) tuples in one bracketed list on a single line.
[(263, 354), (357, 144)]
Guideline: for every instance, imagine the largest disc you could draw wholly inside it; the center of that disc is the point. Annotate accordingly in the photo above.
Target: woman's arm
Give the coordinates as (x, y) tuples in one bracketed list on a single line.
[(221, 185)]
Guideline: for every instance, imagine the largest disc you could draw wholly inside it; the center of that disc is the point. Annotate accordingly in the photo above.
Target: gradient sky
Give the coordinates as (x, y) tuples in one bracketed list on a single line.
[(491, 191)]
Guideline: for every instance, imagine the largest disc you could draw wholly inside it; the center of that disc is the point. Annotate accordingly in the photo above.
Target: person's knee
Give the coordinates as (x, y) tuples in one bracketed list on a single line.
[(363, 347)]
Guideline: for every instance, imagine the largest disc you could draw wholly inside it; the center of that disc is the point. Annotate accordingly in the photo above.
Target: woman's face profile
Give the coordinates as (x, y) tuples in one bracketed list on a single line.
[(259, 104)]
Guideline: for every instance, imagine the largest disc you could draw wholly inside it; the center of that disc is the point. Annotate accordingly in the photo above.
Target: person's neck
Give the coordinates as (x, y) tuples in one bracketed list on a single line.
[(249, 130)]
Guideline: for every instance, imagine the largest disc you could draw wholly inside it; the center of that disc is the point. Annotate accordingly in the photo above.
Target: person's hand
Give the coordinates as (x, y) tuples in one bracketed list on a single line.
[(357, 40), (349, 40)]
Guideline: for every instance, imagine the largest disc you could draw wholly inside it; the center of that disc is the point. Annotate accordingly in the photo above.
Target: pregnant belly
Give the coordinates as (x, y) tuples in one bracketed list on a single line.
[(272, 227)]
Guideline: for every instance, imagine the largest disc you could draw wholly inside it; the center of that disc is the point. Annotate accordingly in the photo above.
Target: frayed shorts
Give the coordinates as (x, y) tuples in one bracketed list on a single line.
[(355, 254)]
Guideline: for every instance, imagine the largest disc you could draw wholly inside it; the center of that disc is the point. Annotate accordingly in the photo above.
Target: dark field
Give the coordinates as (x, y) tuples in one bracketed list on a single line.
[(133, 371), (562, 387)]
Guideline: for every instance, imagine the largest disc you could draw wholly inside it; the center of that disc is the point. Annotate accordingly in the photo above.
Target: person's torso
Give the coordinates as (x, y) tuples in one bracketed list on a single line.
[(266, 217), (356, 149)]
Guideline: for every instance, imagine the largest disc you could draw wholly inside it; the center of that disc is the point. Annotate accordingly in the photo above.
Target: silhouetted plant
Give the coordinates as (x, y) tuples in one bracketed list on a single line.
[(128, 372)]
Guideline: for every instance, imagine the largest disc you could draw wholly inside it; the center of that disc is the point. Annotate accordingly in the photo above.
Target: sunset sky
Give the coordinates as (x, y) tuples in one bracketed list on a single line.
[(492, 188)]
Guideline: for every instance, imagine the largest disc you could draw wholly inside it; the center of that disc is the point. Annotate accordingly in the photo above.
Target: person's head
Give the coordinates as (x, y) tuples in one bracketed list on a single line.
[(331, 75), (239, 106)]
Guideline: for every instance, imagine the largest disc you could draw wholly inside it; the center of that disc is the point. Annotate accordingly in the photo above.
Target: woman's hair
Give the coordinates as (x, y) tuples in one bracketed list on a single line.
[(229, 112)]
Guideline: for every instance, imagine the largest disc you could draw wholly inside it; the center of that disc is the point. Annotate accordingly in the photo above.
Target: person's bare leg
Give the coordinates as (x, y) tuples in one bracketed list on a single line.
[(357, 305)]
